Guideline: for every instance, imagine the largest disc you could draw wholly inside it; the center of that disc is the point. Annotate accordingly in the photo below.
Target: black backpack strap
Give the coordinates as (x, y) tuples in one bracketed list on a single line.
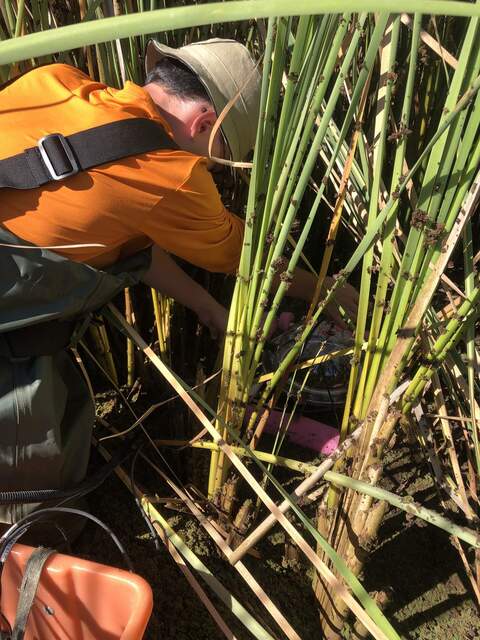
[(57, 157), (28, 590)]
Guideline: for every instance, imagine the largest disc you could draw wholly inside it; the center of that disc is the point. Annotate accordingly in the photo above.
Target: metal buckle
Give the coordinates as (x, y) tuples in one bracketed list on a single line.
[(68, 152)]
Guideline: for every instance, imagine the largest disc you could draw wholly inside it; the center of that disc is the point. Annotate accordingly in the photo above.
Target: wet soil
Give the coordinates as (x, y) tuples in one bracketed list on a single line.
[(415, 563), (431, 596)]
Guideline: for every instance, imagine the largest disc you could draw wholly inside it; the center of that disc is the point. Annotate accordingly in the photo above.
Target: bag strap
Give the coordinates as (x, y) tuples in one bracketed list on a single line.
[(56, 157), (28, 589)]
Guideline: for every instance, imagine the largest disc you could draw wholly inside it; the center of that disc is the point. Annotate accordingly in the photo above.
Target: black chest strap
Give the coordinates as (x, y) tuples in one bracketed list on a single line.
[(57, 157)]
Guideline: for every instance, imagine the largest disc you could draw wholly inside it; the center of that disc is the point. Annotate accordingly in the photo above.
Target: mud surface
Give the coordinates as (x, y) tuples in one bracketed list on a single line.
[(415, 563), (431, 596)]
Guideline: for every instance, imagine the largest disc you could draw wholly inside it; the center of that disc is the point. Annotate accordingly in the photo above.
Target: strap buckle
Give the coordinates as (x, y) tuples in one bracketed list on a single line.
[(68, 152)]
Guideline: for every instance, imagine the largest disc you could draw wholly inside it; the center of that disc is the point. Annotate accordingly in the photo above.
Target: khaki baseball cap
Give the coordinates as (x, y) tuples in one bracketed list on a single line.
[(225, 68)]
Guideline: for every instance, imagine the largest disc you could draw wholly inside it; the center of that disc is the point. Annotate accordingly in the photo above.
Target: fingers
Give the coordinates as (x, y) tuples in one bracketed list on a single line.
[(333, 313), (348, 298)]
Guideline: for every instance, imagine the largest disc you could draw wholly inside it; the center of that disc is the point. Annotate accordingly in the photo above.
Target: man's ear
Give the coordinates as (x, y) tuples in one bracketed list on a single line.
[(202, 121)]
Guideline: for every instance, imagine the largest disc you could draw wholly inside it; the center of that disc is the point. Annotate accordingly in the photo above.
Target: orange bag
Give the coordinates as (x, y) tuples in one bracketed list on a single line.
[(78, 599)]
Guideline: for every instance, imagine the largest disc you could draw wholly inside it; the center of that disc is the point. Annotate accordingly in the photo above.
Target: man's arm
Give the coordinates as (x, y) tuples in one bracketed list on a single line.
[(303, 286), (167, 277)]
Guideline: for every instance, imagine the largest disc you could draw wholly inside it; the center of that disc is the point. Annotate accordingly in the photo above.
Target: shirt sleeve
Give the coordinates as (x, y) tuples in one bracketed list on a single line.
[(193, 224)]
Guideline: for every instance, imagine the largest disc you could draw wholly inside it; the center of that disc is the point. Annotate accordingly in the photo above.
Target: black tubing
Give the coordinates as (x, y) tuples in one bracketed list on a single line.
[(82, 488), (12, 534)]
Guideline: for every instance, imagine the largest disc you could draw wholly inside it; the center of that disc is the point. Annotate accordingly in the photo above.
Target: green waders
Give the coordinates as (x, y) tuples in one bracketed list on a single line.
[(46, 412)]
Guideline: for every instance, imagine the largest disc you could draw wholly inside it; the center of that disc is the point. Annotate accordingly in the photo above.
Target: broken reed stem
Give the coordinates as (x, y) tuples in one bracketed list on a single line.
[(294, 465), (130, 348), (205, 522), (165, 531), (439, 400), (162, 311), (302, 488), (431, 42), (406, 503), (440, 416), (311, 362), (102, 345)]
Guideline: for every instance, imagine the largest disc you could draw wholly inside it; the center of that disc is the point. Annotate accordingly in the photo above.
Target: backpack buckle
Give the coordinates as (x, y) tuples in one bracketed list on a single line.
[(59, 141)]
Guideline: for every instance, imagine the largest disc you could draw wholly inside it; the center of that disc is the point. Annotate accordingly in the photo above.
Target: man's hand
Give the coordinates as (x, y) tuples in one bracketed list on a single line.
[(167, 277), (346, 297), (303, 286), (213, 316)]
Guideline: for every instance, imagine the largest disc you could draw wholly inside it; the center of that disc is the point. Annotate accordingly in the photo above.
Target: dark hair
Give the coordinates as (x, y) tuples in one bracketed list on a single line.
[(176, 78)]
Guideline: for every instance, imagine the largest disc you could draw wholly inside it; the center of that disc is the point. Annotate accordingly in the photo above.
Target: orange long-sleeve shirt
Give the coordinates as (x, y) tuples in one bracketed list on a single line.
[(162, 197)]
